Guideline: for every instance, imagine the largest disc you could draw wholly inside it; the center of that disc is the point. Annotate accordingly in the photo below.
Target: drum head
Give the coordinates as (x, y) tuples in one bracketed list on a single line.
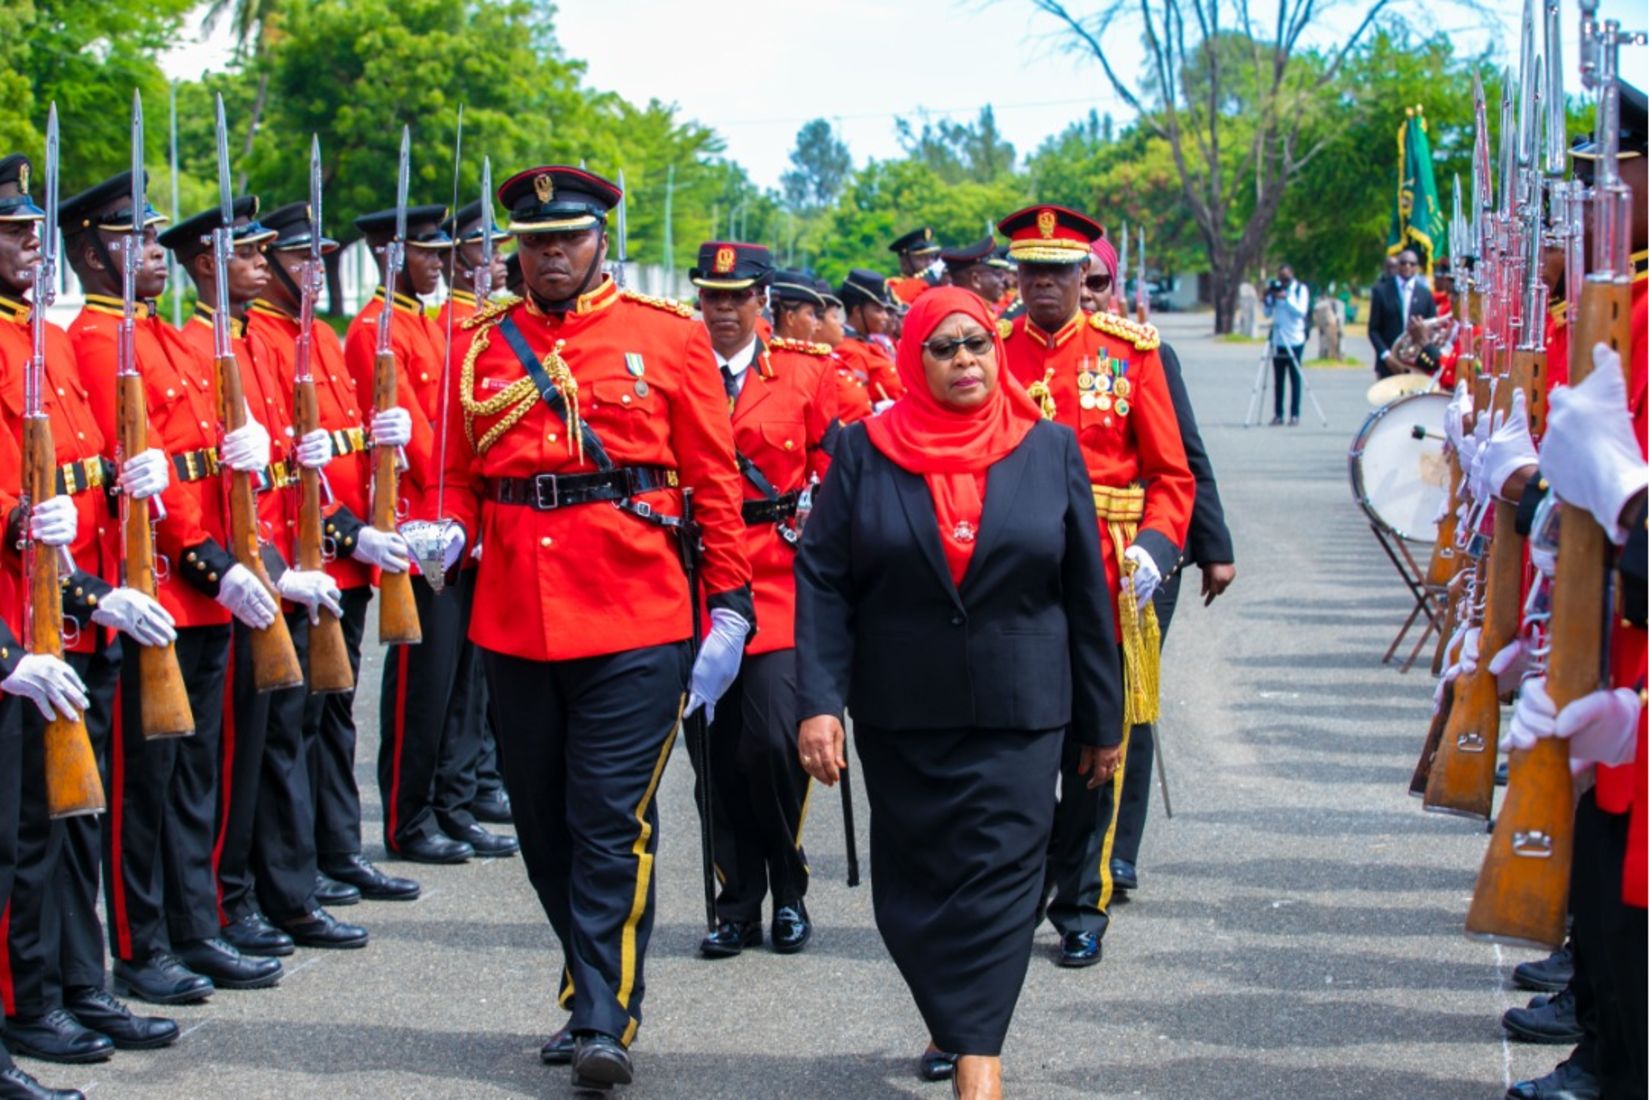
[(1389, 389), (1401, 481)]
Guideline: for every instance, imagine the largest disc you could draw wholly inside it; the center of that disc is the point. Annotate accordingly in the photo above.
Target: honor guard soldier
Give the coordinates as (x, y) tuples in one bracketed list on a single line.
[(466, 230), (782, 398), (971, 268), (869, 311), (798, 308), (340, 446), (1101, 376), (583, 416), (1009, 304), (918, 252)]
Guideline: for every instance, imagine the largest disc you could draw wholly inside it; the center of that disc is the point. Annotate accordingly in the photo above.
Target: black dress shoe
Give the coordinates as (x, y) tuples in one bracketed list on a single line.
[(1545, 1020), (227, 967), (319, 928), (558, 1051), (730, 938), (492, 808), (329, 891), (937, 1065), (254, 935), (1547, 975), (1079, 949), (433, 849), (1567, 1082), (487, 845), (1124, 876), (57, 1037), (1501, 773), (599, 1062), (16, 1084), (791, 928), (162, 979), (107, 1016), (373, 883)]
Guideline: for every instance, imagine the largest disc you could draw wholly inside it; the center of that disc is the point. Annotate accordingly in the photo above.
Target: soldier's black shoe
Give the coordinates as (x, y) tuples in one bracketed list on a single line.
[(227, 967), (1079, 949), (370, 879), (599, 1062), (487, 845), (17, 1084), (791, 928), (433, 849), (1567, 1082), (161, 979), (57, 1037), (107, 1016), (493, 808), (730, 938), (1501, 774), (254, 935), (1545, 1020), (1124, 876), (1547, 975), (937, 1065), (319, 928), (330, 892), (558, 1050)]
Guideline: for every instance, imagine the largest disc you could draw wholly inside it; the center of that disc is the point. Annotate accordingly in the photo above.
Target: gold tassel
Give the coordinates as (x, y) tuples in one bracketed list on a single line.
[(1040, 393), (1121, 511)]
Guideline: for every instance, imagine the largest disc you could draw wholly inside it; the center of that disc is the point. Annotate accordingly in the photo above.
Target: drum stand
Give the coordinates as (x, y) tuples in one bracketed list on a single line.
[(1414, 578), (1257, 395)]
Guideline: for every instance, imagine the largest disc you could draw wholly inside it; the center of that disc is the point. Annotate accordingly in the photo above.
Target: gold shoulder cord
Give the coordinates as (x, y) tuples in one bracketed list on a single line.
[(517, 399)]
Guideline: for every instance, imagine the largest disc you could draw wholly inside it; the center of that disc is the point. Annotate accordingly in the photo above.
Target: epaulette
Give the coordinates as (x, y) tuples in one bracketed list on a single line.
[(669, 305), (498, 307), (1005, 328), (1143, 336), (806, 347)]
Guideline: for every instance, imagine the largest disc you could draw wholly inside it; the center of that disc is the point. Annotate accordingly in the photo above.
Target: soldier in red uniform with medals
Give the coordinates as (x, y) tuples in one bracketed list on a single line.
[(1101, 375), (869, 313), (582, 413), (917, 252)]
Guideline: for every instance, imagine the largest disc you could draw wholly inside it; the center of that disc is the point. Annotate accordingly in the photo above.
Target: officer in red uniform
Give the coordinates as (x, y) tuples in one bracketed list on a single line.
[(466, 229), (870, 314), (581, 414), (782, 398), (971, 268), (341, 449), (798, 308), (1100, 375), (918, 252), (853, 400)]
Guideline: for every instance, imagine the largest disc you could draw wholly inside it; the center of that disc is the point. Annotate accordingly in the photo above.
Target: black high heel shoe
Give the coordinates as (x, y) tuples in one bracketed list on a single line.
[(937, 1065)]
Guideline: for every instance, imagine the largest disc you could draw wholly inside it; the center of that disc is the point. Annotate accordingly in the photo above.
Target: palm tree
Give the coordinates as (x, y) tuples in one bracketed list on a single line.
[(256, 26)]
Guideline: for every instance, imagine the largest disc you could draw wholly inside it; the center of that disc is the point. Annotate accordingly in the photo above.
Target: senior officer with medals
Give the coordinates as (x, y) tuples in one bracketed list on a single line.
[(1100, 375), (583, 415), (781, 395)]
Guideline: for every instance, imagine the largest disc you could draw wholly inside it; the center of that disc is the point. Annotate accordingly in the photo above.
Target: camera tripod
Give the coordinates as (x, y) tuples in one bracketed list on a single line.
[(1257, 395)]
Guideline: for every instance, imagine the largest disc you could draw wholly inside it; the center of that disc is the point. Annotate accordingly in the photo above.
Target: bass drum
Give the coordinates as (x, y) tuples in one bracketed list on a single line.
[(1399, 474)]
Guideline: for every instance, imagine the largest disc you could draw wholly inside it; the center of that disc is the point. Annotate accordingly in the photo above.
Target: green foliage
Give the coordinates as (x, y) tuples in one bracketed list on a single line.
[(819, 165), (958, 152)]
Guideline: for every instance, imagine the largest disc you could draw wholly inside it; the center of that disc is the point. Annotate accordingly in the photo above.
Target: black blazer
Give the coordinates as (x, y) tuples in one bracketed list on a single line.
[(1027, 643), (1207, 539), (1386, 314)]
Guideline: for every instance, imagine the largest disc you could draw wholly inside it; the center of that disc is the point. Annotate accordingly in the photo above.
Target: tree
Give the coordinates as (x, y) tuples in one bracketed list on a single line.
[(958, 151), (819, 165)]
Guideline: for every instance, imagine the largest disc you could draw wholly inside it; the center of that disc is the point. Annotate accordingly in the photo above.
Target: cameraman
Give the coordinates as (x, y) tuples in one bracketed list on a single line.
[(1287, 303)]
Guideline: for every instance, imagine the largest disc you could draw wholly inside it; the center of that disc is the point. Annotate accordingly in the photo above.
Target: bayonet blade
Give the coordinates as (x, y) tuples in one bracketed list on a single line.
[(48, 228), (139, 206), (315, 199), (623, 220), (226, 196), (1555, 159), (484, 275), (402, 170), (1507, 147)]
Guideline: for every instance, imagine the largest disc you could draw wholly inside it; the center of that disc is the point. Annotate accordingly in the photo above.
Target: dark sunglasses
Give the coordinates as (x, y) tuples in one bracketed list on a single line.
[(1098, 283), (947, 349)]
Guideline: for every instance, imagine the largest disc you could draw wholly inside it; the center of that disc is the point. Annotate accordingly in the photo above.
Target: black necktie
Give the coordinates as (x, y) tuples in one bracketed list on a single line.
[(730, 382)]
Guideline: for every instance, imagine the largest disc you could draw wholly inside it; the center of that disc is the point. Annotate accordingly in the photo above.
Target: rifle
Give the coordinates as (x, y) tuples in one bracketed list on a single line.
[(622, 231), (1141, 298), (73, 786), (397, 613), (696, 728), (163, 696), (483, 279), (329, 668), (274, 660)]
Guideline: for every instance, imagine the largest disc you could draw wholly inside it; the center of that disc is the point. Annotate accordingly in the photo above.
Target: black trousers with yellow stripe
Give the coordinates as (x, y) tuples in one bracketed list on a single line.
[(582, 745)]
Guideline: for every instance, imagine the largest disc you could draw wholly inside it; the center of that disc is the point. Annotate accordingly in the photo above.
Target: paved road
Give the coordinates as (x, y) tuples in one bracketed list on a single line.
[(1298, 934)]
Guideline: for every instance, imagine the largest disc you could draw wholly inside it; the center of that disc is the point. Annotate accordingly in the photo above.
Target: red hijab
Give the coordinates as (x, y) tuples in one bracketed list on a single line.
[(952, 448)]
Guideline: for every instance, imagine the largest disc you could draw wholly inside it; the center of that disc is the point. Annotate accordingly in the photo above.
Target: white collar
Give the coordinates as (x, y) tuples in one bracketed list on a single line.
[(740, 361)]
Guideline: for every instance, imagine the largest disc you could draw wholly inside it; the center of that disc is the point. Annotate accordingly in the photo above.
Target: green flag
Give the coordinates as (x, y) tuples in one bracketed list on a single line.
[(1417, 215)]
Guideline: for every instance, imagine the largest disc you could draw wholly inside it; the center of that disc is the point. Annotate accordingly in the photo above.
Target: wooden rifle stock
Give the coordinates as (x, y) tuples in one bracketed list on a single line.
[(1429, 747), (329, 669), (1441, 569), (274, 660), (163, 694), (73, 785), (397, 613)]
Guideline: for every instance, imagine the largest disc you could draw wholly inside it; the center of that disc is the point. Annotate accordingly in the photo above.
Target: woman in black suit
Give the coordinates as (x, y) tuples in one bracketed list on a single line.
[(950, 592)]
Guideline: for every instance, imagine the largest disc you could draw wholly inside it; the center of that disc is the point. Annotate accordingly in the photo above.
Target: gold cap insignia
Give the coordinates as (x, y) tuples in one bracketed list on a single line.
[(544, 187), (23, 177), (927, 234), (1045, 223), (724, 261)]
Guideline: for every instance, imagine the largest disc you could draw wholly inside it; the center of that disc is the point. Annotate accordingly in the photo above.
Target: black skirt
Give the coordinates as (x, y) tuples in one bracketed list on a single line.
[(960, 821)]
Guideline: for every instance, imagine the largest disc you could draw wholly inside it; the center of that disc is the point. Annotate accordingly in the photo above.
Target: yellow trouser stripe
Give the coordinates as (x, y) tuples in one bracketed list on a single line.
[(1111, 825), (802, 819), (565, 997), (644, 871)]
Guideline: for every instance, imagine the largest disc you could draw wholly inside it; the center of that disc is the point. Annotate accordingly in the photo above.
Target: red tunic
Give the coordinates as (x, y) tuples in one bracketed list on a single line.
[(907, 288), (853, 398), (417, 345), (868, 360)]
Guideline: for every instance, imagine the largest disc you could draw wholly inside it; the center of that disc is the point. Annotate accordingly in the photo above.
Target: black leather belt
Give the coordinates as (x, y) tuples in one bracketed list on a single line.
[(547, 492), (770, 511), (74, 478), (196, 465)]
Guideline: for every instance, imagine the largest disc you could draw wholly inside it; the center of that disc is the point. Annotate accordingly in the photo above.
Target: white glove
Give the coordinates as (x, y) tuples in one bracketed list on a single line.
[(1509, 665), (54, 521), (314, 450), (314, 589), (1146, 577), (1510, 448), (246, 597), (146, 474), (418, 531), (246, 449), (1468, 663), (718, 661), (1455, 415), (1590, 456), (1534, 716), (133, 613), (49, 681), (1603, 727), (392, 428), (385, 549)]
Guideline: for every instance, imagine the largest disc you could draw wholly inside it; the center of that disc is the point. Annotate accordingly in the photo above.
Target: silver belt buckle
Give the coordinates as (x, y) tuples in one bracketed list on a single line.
[(540, 502)]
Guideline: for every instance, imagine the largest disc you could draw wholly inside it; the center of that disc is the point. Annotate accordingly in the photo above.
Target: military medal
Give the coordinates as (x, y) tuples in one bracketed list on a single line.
[(1086, 399), (963, 532), (1104, 383), (633, 364), (1085, 381), (1122, 407), (1103, 402), (641, 388), (1121, 387)]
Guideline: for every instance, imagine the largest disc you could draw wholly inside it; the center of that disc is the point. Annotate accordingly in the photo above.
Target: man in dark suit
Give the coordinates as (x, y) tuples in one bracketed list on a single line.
[(1396, 299)]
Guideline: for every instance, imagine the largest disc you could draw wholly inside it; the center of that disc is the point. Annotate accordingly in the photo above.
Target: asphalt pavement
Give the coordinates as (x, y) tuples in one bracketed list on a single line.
[(1297, 932)]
